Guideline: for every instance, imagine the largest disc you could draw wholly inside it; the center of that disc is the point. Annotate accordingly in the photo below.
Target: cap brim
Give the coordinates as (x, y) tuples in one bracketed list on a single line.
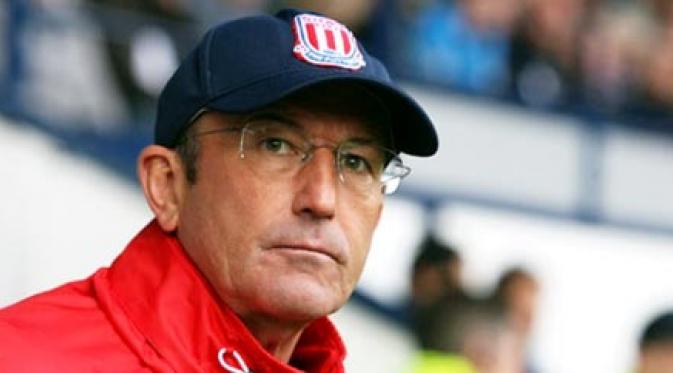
[(412, 130)]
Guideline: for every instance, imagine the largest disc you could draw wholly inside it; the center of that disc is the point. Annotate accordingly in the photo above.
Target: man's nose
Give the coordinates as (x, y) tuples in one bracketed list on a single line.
[(316, 193)]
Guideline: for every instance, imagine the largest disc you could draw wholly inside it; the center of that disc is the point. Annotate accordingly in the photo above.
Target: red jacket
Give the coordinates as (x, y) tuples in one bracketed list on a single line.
[(150, 311)]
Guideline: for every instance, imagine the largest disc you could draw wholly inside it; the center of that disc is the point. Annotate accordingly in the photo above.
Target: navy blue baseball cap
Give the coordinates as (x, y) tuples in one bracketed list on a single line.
[(249, 63)]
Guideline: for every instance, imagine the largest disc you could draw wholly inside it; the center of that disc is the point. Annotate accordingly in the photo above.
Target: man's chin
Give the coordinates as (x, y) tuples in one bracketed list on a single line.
[(303, 300)]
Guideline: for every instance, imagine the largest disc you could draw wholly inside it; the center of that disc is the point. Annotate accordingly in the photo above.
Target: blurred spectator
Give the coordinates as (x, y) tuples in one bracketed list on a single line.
[(517, 291), (353, 13), (612, 48), (436, 273), (561, 54), (658, 75), (144, 41), (543, 59), (656, 346), (239, 8), (13, 16), (465, 336), (370, 20), (436, 277), (662, 11), (463, 44)]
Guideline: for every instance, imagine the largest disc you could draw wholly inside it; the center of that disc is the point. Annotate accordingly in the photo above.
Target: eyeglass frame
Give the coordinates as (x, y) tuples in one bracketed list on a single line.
[(307, 154)]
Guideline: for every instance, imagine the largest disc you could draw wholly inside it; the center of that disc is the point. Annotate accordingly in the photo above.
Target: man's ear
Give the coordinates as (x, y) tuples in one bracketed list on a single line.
[(163, 181)]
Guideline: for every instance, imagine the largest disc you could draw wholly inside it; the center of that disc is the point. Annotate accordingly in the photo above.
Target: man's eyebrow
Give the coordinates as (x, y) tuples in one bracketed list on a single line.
[(360, 140)]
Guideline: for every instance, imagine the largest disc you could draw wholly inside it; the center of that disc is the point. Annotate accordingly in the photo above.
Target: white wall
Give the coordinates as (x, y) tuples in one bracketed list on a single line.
[(62, 216), (503, 153), (638, 177), (500, 152)]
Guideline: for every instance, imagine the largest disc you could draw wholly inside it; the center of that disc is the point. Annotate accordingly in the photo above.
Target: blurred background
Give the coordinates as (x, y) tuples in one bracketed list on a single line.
[(554, 174)]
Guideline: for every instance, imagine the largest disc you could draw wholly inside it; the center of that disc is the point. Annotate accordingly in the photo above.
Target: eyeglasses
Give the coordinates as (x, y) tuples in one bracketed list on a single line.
[(276, 148)]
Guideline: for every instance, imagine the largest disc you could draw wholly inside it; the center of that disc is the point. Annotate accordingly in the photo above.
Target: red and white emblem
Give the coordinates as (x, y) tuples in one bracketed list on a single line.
[(325, 42)]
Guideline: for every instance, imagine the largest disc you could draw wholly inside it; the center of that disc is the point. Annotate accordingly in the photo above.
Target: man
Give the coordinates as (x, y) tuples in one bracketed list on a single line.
[(275, 141), (436, 273), (517, 291), (461, 335), (656, 345), (436, 283)]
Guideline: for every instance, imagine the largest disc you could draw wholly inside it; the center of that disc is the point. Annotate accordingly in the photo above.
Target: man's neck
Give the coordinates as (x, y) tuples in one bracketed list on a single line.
[(277, 338)]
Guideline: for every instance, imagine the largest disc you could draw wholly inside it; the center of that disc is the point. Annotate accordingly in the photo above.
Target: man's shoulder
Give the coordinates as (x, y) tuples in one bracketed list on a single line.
[(62, 326)]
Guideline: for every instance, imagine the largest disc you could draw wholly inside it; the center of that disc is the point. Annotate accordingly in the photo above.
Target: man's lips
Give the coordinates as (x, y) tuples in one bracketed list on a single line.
[(333, 254)]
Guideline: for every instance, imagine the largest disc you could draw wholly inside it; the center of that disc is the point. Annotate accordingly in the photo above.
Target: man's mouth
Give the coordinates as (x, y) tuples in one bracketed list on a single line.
[(309, 248)]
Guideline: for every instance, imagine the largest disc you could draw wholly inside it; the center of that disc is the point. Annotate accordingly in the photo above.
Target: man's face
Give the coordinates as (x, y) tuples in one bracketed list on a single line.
[(288, 247), (657, 358)]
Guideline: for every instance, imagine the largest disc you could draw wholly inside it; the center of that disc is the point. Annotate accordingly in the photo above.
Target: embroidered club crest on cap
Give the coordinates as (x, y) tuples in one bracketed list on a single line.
[(325, 42)]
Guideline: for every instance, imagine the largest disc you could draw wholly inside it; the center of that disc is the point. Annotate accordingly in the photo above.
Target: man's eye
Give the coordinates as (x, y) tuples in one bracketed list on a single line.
[(276, 145), (355, 163)]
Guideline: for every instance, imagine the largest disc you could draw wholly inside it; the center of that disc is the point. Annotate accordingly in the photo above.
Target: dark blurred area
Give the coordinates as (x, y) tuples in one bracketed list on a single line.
[(100, 64), (460, 332), (655, 347), (604, 58)]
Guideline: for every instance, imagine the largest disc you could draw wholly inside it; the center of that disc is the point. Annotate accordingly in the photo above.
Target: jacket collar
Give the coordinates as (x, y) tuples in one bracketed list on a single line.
[(166, 298)]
